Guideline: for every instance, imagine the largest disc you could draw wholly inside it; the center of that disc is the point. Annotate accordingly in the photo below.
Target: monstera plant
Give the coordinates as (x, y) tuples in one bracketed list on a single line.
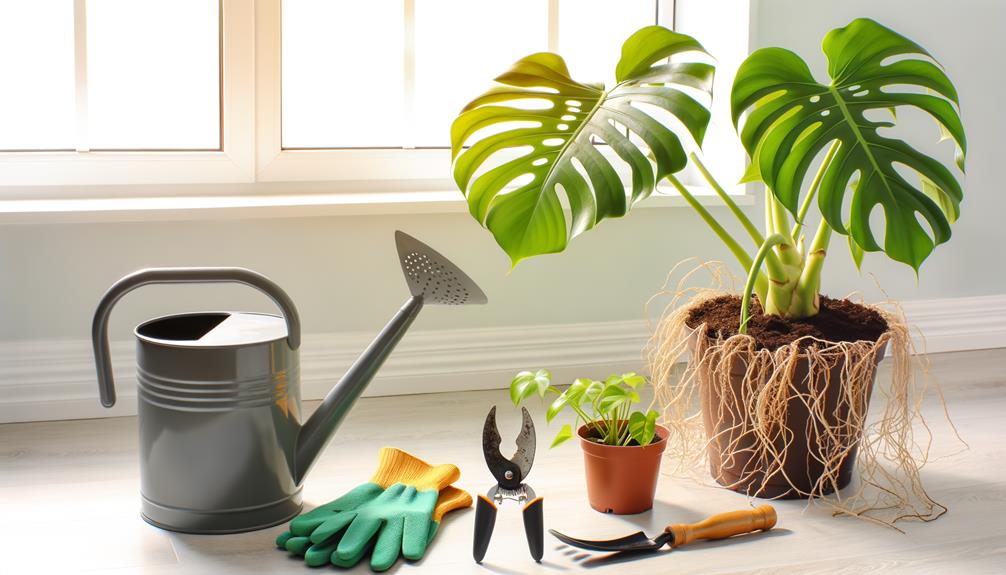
[(790, 118), (529, 151), (554, 122)]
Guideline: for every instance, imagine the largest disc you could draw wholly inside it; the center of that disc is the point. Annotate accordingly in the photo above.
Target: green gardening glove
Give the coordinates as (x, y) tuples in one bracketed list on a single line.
[(297, 539), (402, 506)]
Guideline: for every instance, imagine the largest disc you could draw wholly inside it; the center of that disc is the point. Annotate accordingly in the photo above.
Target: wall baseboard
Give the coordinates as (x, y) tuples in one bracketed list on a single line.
[(54, 379)]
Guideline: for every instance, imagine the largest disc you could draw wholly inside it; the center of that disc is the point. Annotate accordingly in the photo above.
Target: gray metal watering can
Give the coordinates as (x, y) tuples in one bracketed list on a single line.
[(223, 447)]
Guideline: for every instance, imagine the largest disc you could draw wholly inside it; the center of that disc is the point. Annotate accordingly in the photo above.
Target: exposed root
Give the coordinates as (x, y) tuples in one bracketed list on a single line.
[(759, 399)]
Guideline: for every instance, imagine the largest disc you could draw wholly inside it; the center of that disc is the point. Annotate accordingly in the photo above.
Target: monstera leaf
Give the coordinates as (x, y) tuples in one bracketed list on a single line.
[(791, 118), (551, 123)]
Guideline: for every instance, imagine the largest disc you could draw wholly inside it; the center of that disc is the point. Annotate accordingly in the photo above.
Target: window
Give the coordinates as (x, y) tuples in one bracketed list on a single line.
[(394, 73), (37, 106), (359, 95), (110, 75), (368, 91), (153, 74)]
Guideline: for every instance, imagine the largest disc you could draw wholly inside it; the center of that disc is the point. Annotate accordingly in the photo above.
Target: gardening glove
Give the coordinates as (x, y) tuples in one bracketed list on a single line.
[(404, 501)]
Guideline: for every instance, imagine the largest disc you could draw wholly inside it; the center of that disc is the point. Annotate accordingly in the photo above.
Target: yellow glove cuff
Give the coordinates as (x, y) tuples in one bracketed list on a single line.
[(397, 466), (451, 498)]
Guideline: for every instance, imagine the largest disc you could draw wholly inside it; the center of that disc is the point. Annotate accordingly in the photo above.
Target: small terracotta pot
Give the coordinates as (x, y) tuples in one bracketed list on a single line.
[(622, 480)]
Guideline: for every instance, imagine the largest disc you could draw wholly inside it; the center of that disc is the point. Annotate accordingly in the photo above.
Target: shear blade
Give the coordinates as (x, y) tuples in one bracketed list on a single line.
[(526, 440), (636, 542), (519, 465)]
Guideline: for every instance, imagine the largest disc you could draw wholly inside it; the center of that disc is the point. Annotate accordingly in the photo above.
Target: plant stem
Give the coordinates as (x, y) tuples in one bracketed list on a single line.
[(761, 282), (734, 208), (814, 185), (806, 299), (763, 251), (779, 224), (580, 413)]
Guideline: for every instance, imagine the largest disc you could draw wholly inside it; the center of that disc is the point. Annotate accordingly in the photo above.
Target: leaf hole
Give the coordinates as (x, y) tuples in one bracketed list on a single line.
[(553, 141), (574, 109), (826, 113), (861, 93), (815, 99), (853, 88), (926, 226), (540, 162), (574, 103), (521, 180), (567, 117), (531, 104), (563, 127), (501, 127)]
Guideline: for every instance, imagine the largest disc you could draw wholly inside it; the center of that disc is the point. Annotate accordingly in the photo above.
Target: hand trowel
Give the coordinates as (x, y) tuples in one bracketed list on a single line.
[(719, 526)]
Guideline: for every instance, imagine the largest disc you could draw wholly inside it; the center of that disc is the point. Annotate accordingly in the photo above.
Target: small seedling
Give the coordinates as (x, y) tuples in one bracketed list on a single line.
[(606, 407)]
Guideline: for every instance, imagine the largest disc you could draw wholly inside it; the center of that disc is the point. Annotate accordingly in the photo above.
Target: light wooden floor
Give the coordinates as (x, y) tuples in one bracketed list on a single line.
[(69, 499)]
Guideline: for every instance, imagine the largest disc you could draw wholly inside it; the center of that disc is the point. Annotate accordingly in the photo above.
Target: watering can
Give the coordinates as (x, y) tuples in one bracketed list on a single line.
[(223, 444)]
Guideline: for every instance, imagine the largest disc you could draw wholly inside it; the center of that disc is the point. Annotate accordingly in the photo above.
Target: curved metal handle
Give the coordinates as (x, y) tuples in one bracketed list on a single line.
[(99, 326)]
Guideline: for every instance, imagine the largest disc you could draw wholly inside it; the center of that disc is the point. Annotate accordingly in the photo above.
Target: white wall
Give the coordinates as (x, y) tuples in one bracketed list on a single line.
[(344, 275)]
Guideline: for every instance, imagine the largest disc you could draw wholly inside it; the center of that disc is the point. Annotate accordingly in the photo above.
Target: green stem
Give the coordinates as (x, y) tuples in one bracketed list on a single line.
[(806, 298), (814, 185), (763, 251), (613, 430), (761, 282), (623, 432), (734, 208), (779, 220), (626, 435), (582, 415)]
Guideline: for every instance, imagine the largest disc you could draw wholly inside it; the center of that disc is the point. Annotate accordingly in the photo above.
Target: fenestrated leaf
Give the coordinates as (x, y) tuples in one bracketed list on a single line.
[(857, 252), (791, 118), (527, 217)]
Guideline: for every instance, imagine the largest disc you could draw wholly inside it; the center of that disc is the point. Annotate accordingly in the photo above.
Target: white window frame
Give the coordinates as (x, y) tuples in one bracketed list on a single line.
[(252, 172), (429, 167), (233, 163)]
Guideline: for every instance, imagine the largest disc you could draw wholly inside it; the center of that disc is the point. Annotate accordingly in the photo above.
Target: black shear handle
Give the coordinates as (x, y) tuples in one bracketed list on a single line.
[(485, 520), (534, 528)]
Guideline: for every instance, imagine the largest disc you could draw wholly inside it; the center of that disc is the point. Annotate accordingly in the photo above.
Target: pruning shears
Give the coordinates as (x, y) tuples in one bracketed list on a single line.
[(510, 475)]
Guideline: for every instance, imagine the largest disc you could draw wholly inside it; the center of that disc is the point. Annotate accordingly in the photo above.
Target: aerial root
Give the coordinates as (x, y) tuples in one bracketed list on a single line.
[(752, 424)]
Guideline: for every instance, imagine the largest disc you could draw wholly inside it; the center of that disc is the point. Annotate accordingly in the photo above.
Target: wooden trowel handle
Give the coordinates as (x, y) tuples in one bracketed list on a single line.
[(723, 525)]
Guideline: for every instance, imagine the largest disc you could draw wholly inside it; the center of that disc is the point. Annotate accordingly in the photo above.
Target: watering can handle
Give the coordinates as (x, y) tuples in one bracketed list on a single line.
[(99, 327)]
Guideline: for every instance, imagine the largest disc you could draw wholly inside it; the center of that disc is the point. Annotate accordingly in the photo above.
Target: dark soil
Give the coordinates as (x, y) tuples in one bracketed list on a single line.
[(839, 320)]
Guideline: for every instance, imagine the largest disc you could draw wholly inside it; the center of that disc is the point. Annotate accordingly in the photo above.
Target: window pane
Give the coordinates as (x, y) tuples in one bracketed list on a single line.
[(153, 71), (461, 45), (591, 34), (37, 104), (343, 73)]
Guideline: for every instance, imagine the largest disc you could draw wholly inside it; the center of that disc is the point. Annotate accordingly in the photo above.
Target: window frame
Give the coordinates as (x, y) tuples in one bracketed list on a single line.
[(251, 163), (423, 166), (234, 162)]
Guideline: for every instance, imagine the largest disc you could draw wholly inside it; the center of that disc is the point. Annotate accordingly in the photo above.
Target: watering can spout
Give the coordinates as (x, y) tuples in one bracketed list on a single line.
[(432, 279), (320, 427)]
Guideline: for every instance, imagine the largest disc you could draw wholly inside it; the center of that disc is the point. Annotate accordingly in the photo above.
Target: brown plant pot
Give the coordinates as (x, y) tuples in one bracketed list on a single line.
[(730, 459), (622, 480)]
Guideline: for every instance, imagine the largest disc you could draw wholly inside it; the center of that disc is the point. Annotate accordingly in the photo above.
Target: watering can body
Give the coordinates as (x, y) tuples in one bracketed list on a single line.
[(223, 446), (219, 416)]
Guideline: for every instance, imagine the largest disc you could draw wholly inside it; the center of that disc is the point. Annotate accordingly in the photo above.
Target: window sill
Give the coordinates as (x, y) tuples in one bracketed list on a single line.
[(249, 206)]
